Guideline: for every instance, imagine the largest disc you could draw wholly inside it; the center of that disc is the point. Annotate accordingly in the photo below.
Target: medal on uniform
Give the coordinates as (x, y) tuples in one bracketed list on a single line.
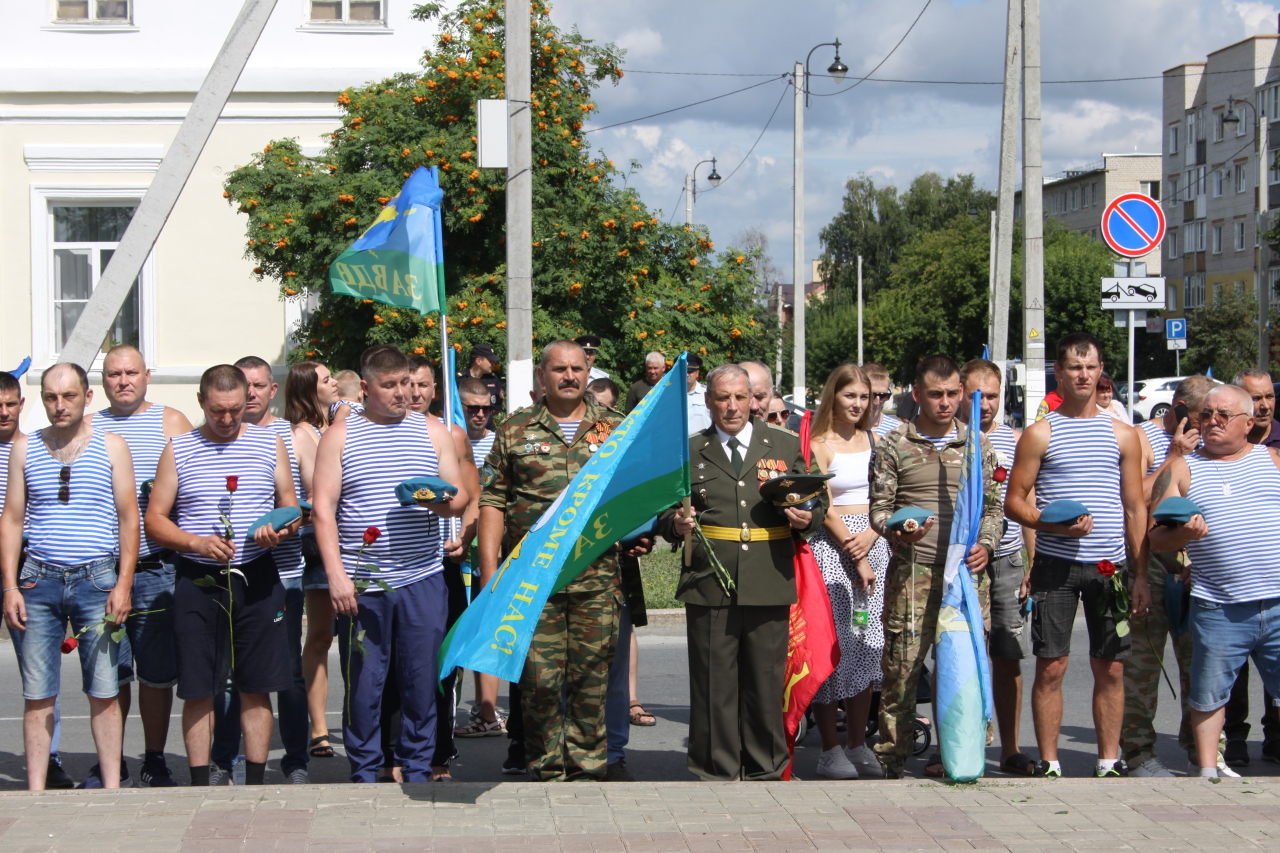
[(591, 448)]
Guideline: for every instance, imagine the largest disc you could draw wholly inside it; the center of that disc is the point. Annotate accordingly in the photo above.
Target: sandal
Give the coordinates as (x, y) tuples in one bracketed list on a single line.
[(1019, 764), (641, 717), (934, 769), (480, 727), (318, 751)]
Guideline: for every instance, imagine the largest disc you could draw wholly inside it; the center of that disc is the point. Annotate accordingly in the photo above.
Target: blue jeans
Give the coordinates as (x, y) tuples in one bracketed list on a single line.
[(617, 702), (55, 595), (291, 711), (151, 634), (1224, 637)]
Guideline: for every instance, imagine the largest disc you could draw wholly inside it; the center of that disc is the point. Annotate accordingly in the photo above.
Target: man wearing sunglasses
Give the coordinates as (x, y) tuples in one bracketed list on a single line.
[(880, 394), (1234, 546), (74, 485)]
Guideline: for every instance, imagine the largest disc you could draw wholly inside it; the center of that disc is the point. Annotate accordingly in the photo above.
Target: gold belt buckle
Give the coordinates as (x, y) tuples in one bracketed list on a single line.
[(745, 535)]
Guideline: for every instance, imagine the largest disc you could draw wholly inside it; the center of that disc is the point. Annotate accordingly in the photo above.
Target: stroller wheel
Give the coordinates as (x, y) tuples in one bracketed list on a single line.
[(924, 737)]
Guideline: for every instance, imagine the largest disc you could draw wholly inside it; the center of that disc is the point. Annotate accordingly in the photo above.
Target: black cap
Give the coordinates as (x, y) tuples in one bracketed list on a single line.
[(483, 350), (587, 342), (694, 361), (797, 490)]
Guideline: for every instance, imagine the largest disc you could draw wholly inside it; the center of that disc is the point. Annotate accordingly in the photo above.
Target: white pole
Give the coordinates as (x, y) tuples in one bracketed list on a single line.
[(1004, 209), (1132, 383), (1033, 212), (797, 247), (1264, 288), (688, 199), (991, 290), (860, 361), (519, 208)]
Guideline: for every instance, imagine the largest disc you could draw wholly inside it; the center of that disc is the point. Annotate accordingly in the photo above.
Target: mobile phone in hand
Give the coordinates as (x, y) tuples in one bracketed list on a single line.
[(1181, 414)]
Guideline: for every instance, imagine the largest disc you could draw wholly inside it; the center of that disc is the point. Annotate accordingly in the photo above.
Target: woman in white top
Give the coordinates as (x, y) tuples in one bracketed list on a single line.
[(853, 560), (1106, 399)]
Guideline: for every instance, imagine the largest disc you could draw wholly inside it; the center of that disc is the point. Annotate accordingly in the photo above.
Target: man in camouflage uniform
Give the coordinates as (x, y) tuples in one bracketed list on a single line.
[(536, 453), (918, 463)]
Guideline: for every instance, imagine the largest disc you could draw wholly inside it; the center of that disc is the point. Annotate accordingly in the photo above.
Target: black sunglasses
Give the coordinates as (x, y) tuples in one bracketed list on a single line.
[(776, 416), (64, 491), (882, 395), (475, 410)]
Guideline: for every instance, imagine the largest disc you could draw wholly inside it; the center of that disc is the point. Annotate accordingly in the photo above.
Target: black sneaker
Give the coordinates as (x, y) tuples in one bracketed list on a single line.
[(618, 772), (56, 779), (1046, 771), (94, 779), (515, 765), (155, 773), (1271, 750), (1237, 753)]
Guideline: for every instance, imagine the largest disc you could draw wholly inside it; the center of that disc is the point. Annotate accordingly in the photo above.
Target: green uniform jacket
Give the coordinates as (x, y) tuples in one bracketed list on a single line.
[(531, 464), (764, 570)]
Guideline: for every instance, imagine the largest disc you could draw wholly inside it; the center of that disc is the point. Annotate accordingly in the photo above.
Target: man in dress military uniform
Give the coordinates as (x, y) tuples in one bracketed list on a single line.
[(536, 453), (591, 346), (738, 597)]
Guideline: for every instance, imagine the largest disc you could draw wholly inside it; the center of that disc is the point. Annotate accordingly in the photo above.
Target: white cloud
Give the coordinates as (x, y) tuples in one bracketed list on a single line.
[(640, 44)]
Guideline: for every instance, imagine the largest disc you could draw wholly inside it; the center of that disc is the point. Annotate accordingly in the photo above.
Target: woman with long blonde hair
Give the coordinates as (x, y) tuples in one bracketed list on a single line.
[(853, 560)]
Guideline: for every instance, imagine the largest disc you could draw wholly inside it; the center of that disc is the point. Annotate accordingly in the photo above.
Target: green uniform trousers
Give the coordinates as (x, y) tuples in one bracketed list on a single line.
[(563, 686)]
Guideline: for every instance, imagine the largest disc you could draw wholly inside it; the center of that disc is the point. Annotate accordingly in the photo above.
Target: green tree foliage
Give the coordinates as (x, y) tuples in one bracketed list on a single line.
[(1223, 335), (603, 263), (878, 223)]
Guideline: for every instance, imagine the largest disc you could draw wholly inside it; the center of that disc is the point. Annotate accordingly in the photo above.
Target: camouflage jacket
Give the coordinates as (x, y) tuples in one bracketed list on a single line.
[(531, 464), (908, 471)]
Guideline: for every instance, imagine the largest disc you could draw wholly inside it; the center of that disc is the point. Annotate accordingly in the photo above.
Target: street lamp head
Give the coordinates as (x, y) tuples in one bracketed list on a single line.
[(838, 69), (973, 212), (1231, 117), (714, 178)]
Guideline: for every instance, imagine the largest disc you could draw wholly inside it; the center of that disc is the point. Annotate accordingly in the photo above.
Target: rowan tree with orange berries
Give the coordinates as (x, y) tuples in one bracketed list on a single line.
[(603, 263)]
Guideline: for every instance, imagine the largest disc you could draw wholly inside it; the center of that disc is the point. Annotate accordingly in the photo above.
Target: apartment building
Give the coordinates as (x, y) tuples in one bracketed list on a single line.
[(1211, 172)]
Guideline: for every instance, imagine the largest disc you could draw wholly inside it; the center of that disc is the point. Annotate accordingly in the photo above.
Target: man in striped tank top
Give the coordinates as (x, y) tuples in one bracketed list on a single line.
[(1079, 453), (1161, 439), (359, 463), (293, 719), (145, 427), (1234, 546), (1009, 639), (73, 486), (228, 593)]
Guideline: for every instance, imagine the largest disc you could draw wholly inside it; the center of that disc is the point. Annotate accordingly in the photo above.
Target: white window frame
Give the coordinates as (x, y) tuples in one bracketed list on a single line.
[(1193, 291), (1174, 189), (1242, 178), (44, 349), (1217, 126), (91, 24), (1217, 239), (346, 25), (1240, 236), (1219, 182), (1171, 298), (1173, 139), (1171, 238)]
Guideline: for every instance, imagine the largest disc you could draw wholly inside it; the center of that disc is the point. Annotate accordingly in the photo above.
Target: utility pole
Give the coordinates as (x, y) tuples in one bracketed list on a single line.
[(1260, 271), (860, 361), (179, 161), (519, 207), (688, 198), (797, 247), (1003, 261), (1032, 212)]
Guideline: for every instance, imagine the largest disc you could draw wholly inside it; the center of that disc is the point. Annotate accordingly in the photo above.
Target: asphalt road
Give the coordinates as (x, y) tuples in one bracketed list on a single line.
[(655, 754)]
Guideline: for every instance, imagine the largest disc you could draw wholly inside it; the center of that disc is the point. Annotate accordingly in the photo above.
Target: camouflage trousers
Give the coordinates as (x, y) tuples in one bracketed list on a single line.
[(564, 683), (912, 600), (1143, 683)]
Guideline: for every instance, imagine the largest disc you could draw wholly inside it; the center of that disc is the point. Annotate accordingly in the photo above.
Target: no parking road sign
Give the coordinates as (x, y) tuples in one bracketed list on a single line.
[(1133, 225)]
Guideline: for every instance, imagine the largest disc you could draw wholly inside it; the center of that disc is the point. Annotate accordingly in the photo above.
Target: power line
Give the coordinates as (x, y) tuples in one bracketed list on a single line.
[(679, 199), (882, 62), (757, 142), (686, 106)]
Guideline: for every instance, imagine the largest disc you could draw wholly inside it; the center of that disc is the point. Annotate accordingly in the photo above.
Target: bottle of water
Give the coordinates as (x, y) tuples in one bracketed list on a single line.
[(861, 615), (237, 770)]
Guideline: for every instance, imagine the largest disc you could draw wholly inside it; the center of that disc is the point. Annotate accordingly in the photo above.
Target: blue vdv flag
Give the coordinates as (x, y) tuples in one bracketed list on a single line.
[(640, 471), (964, 698)]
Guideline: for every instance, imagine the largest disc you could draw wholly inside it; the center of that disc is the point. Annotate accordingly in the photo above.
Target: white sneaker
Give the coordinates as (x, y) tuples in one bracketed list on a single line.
[(1149, 769), (864, 759), (834, 764), (1224, 771)]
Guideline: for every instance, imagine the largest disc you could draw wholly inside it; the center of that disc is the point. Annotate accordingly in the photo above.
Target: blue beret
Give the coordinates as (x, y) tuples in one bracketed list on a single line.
[(1063, 512), (305, 506), (1175, 510), (425, 490), (898, 521), (279, 518)]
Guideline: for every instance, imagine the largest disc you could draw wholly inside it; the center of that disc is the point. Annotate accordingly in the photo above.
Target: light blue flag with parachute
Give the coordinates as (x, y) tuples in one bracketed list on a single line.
[(641, 470), (964, 701)]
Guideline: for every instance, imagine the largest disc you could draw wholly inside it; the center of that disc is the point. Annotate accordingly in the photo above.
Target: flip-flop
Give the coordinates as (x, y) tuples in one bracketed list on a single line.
[(935, 760), (1019, 764), (641, 717), (318, 751)]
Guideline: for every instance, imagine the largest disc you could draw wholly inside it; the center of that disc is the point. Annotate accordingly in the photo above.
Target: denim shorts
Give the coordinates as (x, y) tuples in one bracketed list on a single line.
[(1058, 588), (1010, 635), (1224, 637), (55, 595), (313, 576), (151, 634)]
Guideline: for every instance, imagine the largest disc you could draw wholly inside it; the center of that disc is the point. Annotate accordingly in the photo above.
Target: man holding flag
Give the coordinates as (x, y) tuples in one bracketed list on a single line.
[(918, 464)]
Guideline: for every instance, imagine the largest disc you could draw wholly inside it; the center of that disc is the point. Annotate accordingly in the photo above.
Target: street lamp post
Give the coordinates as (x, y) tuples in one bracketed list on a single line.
[(1261, 287), (837, 70), (691, 187)]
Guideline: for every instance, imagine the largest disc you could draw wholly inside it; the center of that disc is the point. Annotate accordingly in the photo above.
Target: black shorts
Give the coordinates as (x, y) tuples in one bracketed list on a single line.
[(1057, 586), (203, 640)]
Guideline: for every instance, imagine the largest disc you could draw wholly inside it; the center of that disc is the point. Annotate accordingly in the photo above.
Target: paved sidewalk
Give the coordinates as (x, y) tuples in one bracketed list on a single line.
[(520, 817)]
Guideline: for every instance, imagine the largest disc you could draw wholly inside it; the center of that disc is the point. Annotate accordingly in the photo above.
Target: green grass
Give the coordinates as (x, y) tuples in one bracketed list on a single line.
[(660, 572)]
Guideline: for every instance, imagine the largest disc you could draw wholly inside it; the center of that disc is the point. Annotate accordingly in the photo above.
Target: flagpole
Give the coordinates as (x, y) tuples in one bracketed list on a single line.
[(446, 362)]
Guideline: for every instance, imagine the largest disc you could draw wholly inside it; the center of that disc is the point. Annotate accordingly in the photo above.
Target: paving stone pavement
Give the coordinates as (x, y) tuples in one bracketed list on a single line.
[(682, 817)]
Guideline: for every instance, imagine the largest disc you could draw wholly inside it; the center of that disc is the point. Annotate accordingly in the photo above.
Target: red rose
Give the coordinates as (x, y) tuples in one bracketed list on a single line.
[(1000, 474), (1106, 568), (371, 535), (232, 483), (69, 645)]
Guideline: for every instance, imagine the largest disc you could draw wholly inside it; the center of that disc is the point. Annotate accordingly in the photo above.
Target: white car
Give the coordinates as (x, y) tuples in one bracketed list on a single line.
[(1154, 397)]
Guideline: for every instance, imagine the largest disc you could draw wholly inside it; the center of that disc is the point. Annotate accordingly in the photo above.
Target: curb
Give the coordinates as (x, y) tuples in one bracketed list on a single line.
[(672, 616)]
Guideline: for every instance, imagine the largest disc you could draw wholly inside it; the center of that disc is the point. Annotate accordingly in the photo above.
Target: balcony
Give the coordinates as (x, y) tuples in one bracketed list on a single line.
[(1201, 149), (1193, 262)]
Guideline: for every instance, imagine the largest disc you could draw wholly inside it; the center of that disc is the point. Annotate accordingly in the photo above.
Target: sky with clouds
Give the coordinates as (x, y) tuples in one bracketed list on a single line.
[(891, 131)]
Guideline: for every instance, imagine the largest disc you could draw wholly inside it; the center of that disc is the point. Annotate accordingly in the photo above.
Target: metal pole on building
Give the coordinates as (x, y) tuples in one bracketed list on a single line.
[(179, 161), (1032, 212), (1264, 287), (1004, 207), (860, 361), (797, 248), (519, 208)]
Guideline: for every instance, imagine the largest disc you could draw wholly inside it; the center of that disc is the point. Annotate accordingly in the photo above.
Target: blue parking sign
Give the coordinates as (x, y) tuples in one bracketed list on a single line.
[(1175, 328)]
